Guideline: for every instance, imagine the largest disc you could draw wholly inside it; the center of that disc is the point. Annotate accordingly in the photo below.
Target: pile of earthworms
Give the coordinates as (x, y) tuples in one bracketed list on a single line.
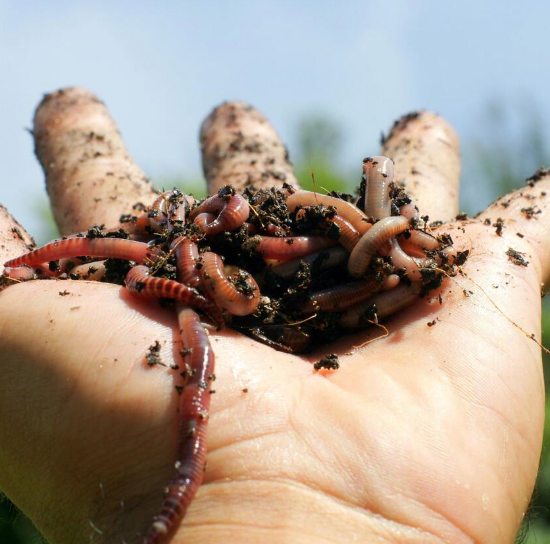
[(290, 268)]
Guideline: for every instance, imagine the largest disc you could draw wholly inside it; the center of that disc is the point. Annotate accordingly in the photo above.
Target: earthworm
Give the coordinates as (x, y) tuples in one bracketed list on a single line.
[(187, 255), (346, 210), (324, 259), (390, 282), (22, 273), (382, 305), (140, 283), (349, 236), (288, 247), (233, 212), (168, 210), (106, 248), (219, 287), (378, 172), (289, 339), (194, 405), (409, 211), (418, 241), (365, 249), (340, 297), (204, 219), (411, 265)]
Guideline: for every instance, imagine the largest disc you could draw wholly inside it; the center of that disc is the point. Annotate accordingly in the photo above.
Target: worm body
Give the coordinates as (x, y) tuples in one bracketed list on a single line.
[(141, 284), (187, 255), (378, 172), (324, 259), (233, 212), (224, 291), (346, 210), (290, 247), (382, 305), (349, 236), (379, 234), (106, 248), (194, 405), (336, 299)]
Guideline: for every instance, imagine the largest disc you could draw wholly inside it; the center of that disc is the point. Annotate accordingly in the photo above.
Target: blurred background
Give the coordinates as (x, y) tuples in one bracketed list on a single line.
[(330, 76)]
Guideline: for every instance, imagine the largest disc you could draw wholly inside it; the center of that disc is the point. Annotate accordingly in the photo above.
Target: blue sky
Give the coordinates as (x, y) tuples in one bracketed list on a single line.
[(161, 67)]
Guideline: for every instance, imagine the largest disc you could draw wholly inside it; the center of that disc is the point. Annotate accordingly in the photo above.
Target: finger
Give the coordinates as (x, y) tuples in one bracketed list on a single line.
[(523, 216), (240, 147), (14, 239), (425, 149), (90, 176)]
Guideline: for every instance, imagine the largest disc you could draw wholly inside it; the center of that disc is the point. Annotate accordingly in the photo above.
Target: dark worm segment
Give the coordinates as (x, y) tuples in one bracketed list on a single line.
[(194, 406)]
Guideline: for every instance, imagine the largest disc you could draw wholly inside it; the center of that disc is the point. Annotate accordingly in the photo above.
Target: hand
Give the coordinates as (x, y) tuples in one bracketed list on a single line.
[(432, 434)]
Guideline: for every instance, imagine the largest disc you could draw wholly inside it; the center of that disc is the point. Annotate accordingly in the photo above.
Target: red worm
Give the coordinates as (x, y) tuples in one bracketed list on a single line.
[(386, 303), (289, 247), (411, 265), (420, 240), (187, 255), (378, 172), (168, 210), (140, 283), (349, 236), (193, 411), (204, 219), (340, 297), (348, 211), (328, 258), (106, 248), (219, 286), (380, 233), (233, 212)]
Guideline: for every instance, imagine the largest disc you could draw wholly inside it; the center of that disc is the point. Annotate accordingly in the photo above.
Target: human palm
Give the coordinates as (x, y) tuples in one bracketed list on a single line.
[(430, 434)]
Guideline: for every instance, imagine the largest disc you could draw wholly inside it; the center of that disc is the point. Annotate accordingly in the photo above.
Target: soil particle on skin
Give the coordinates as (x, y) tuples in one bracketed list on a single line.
[(153, 354), (530, 212), (431, 323), (329, 362), (516, 257), (462, 216), (537, 176), (499, 225)]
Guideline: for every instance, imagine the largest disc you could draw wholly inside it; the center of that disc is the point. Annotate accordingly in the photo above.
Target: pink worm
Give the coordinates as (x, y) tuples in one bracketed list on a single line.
[(357, 219), (140, 283), (187, 255), (378, 172), (106, 248), (340, 297), (233, 212), (328, 258), (379, 234), (289, 247), (193, 413), (218, 286), (387, 303)]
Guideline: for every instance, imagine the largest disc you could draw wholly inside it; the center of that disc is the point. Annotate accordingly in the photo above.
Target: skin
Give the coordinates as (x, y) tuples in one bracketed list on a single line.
[(431, 435)]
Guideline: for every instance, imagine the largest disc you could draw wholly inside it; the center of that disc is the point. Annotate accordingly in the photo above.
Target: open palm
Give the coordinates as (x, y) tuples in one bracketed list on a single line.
[(430, 434)]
